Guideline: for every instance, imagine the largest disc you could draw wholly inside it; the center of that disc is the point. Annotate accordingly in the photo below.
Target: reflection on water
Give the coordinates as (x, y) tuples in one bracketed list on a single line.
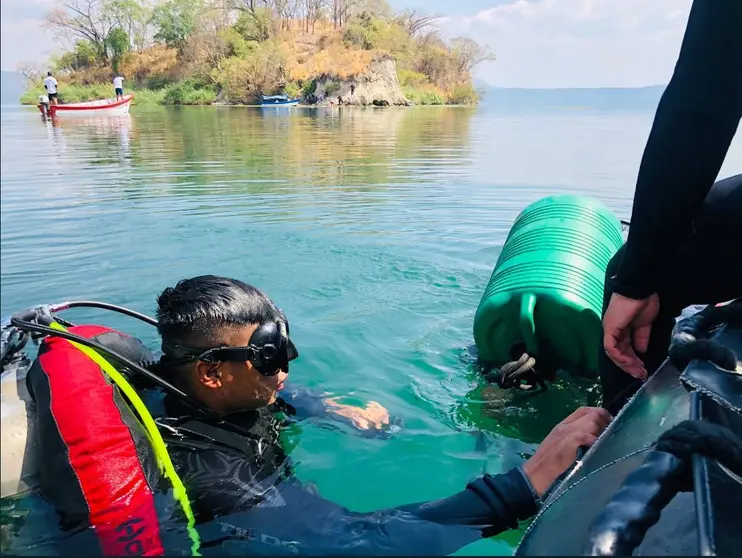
[(375, 229)]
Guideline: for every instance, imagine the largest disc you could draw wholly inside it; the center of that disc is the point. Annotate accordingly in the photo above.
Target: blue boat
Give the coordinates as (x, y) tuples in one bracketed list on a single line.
[(278, 100)]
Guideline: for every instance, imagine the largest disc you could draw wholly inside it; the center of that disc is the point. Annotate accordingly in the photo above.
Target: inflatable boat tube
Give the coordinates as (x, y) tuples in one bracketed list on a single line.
[(664, 478)]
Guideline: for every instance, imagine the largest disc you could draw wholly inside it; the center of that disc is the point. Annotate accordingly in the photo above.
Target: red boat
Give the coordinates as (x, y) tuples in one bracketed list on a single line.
[(102, 107)]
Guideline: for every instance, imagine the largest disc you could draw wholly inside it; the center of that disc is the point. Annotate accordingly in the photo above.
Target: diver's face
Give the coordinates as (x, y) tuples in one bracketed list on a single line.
[(238, 386)]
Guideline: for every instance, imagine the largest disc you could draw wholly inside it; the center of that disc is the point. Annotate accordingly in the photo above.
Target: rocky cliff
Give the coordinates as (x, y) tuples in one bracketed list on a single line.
[(378, 85)]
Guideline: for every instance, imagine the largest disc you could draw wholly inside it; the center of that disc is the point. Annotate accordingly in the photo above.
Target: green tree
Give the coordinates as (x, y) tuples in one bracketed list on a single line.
[(117, 44), (84, 55), (255, 25), (132, 17), (245, 79), (175, 20)]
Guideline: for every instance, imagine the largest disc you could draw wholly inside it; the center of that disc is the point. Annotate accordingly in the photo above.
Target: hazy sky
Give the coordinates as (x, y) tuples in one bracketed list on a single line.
[(538, 43)]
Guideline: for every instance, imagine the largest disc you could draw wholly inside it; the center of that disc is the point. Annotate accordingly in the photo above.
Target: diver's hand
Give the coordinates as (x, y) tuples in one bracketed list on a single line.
[(627, 325), (372, 416), (559, 449)]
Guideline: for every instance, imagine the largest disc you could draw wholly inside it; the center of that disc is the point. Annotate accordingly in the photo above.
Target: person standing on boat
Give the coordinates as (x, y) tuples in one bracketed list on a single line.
[(50, 84), (684, 245), (118, 84)]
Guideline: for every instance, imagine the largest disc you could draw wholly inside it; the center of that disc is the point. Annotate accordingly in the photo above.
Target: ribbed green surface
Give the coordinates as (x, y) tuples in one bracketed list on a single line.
[(557, 277), (556, 252)]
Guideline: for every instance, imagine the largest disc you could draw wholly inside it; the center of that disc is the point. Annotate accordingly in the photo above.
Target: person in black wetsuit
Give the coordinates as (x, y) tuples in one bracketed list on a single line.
[(227, 345), (685, 241)]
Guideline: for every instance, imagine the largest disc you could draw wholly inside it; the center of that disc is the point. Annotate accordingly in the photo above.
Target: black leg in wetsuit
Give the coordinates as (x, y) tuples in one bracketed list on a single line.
[(707, 269)]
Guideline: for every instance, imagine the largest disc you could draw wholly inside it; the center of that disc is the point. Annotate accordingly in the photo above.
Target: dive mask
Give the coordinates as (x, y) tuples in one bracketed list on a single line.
[(269, 350)]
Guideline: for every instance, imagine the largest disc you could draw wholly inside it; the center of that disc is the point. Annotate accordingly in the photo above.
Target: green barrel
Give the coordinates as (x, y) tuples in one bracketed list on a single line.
[(545, 294)]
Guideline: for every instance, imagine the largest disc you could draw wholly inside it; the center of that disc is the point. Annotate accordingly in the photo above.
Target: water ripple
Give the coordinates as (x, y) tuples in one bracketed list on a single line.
[(376, 231)]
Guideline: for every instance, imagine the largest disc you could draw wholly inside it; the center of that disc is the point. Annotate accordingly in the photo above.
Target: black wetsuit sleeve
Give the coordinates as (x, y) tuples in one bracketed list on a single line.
[(493, 503), (289, 519), (693, 128), (307, 402)]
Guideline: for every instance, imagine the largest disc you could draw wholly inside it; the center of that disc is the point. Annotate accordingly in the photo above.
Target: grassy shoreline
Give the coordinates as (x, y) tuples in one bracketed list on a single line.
[(184, 94), (177, 94)]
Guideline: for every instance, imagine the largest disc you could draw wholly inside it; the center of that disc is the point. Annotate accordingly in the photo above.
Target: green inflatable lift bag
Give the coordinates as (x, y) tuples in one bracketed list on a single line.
[(545, 295)]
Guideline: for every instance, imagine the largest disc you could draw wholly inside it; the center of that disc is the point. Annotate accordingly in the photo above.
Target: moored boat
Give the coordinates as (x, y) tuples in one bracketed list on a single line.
[(102, 107), (278, 100)]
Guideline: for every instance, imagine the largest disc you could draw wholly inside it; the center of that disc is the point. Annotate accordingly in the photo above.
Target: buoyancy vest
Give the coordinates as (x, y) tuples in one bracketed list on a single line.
[(103, 462)]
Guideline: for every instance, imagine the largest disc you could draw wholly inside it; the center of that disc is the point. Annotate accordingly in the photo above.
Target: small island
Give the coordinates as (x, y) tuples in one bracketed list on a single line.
[(203, 52)]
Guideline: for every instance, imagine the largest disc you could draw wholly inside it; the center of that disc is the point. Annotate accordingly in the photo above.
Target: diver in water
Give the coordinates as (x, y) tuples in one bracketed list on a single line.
[(684, 245), (227, 345)]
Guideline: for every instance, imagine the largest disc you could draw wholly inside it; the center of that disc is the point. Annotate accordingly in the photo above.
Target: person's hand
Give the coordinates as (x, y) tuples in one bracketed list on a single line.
[(627, 325), (559, 449), (372, 416)]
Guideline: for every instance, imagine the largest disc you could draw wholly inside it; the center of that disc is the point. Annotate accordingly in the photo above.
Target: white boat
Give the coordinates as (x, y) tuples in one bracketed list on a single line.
[(102, 107)]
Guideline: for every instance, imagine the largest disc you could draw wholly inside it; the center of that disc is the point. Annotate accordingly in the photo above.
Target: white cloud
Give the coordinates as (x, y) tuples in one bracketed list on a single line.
[(577, 43)]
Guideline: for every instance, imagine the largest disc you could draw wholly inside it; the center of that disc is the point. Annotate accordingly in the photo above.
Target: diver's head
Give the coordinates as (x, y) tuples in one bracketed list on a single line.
[(225, 342)]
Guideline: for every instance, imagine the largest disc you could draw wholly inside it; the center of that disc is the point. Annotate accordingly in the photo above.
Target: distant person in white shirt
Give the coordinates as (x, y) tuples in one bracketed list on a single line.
[(50, 84), (118, 84)]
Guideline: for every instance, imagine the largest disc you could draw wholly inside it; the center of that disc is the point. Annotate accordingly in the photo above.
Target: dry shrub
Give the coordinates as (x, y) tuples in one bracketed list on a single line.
[(158, 63), (89, 76), (331, 57)]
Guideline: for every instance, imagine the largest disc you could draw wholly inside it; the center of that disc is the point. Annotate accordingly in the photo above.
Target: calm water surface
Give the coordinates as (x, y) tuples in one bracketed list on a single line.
[(375, 230)]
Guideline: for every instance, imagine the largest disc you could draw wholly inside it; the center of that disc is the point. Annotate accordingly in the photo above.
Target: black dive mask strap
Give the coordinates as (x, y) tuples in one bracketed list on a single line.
[(269, 350)]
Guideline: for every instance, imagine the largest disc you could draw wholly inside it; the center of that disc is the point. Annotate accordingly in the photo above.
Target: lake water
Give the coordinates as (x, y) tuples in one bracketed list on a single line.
[(376, 230)]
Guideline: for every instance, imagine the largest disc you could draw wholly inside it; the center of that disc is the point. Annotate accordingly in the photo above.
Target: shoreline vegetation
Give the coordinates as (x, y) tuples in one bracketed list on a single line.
[(206, 52)]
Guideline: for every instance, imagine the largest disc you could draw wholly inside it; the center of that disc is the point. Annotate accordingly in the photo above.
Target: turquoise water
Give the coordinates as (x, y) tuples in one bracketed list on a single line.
[(375, 230)]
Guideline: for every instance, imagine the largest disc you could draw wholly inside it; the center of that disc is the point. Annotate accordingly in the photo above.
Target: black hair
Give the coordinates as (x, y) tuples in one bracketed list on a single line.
[(194, 311), (48, 73)]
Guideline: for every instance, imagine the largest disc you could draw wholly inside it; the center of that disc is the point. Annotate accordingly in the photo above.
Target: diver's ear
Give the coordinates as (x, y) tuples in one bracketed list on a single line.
[(209, 374)]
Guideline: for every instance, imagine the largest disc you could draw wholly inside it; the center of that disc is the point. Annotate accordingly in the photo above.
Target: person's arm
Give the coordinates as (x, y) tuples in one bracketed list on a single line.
[(256, 516), (693, 128), (289, 519), (307, 403)]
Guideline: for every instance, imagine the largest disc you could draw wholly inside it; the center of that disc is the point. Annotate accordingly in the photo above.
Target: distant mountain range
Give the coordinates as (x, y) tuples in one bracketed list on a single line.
[(12, 86), (595, 98)]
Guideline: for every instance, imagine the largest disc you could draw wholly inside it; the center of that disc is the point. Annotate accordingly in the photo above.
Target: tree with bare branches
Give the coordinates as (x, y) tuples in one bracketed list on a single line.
[(131, 16), (414, 22), (286, 11), (340, 11), (312, 13), (31, 72), (81, 19), (208, 46), (250, 5), (468, 54)]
